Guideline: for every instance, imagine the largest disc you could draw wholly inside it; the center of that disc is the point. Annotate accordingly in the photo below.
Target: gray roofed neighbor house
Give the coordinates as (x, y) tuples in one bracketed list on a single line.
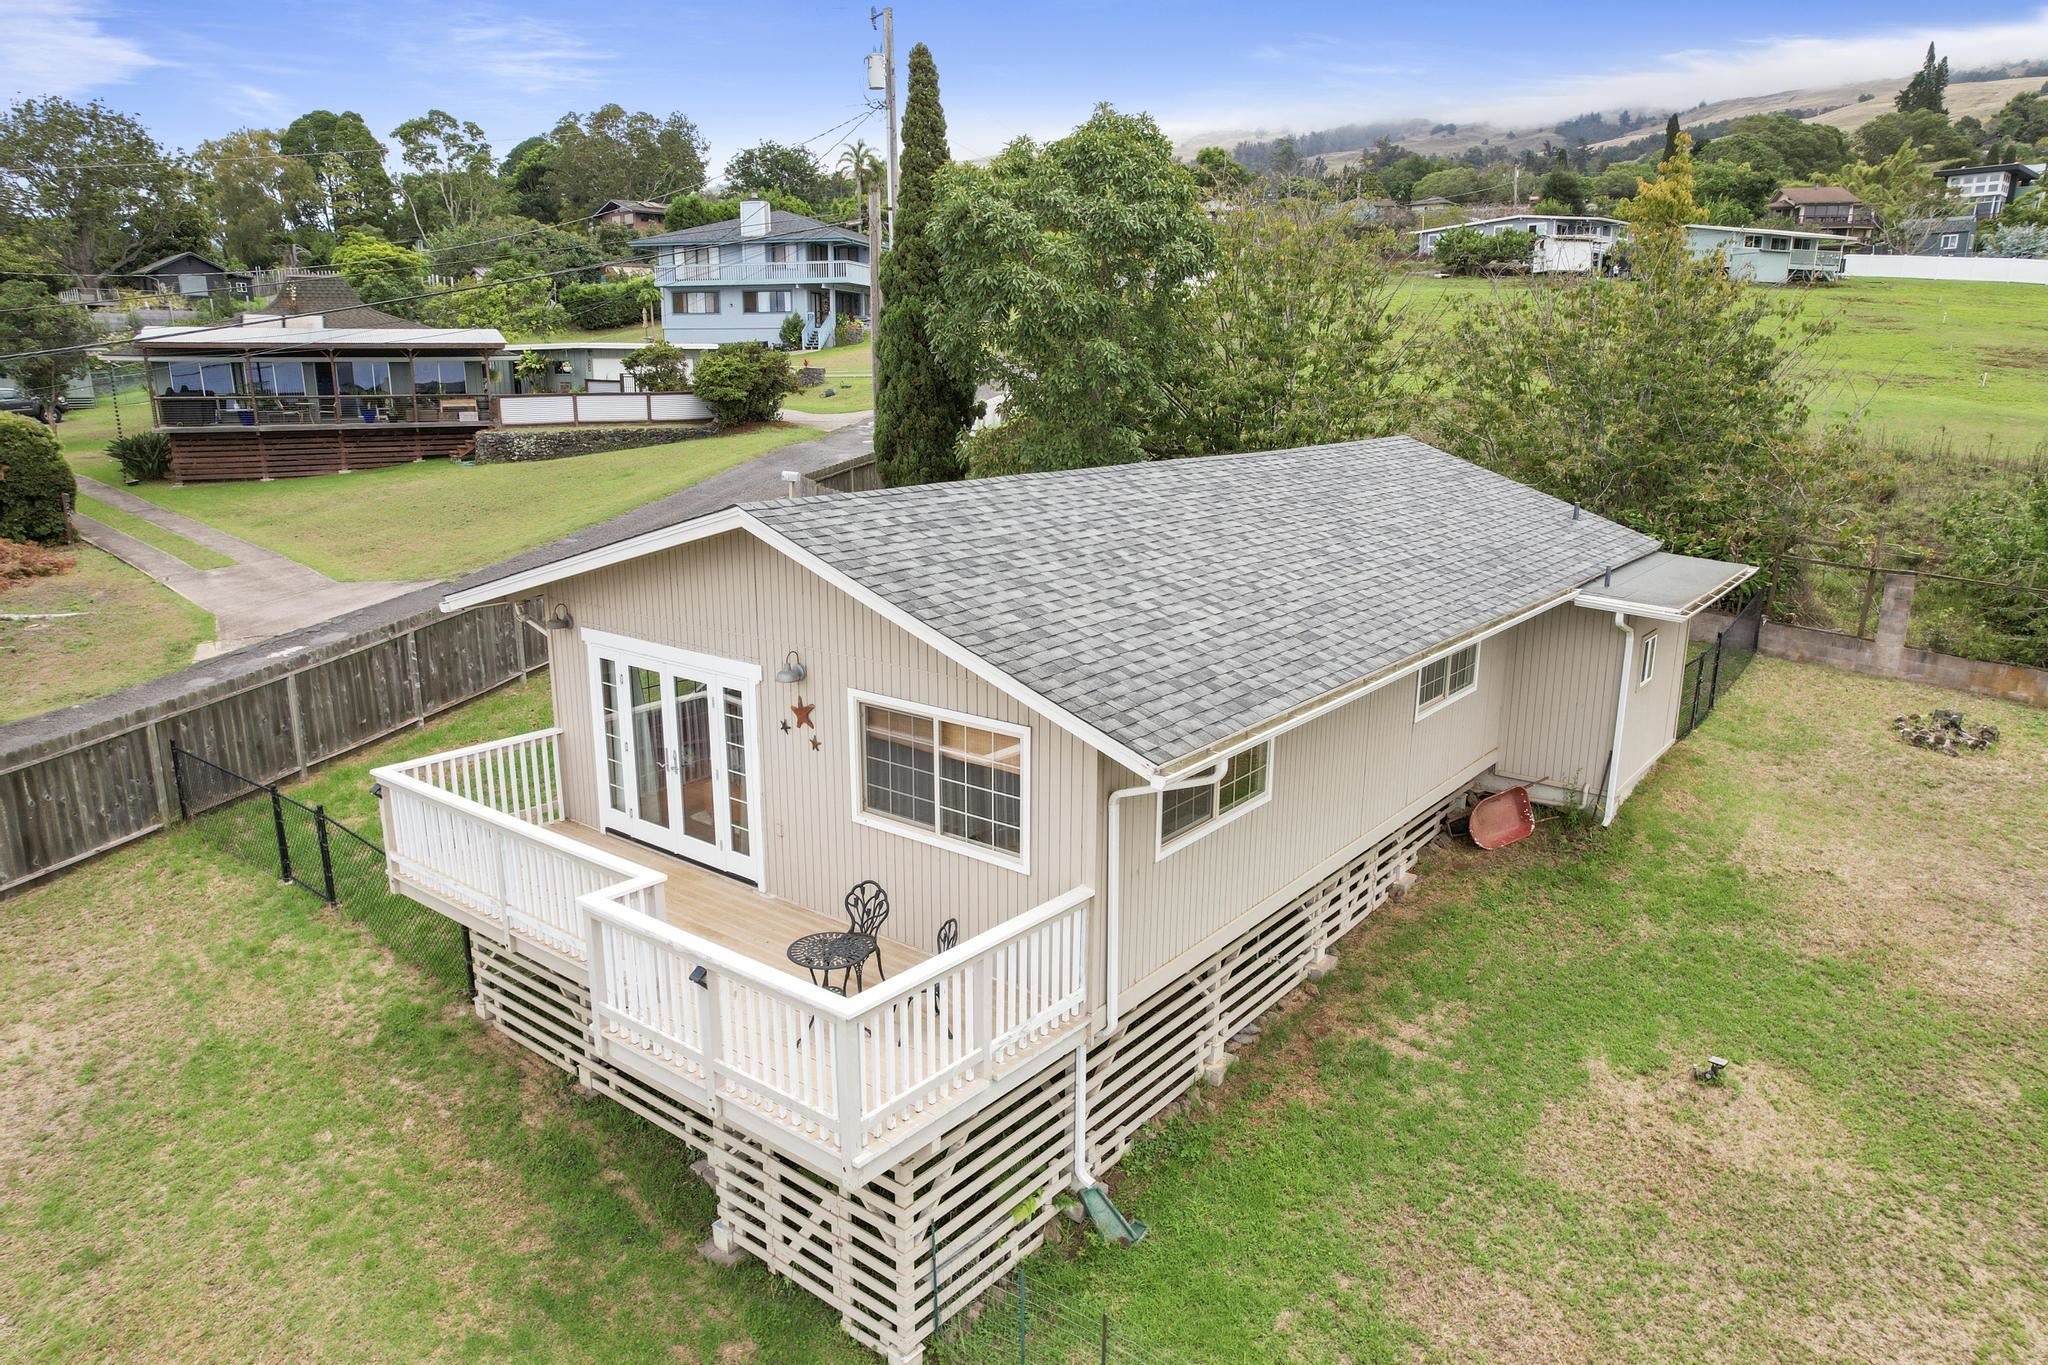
[(783, 226), (1176, 605), (335, 299)]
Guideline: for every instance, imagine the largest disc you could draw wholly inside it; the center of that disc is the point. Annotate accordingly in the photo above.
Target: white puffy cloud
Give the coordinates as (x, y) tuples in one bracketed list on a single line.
[(63, 47)]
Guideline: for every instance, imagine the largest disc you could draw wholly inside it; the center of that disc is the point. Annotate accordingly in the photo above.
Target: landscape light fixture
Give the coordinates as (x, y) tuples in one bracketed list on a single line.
[(792, 670)]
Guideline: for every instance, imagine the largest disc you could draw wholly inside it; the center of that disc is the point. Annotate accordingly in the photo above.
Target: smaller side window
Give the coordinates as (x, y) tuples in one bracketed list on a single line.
[(1649, 669), (1243, 783), (1442, 681)]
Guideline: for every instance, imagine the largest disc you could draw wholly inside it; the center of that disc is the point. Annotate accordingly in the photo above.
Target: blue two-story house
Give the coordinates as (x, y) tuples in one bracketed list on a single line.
[(737, 280)]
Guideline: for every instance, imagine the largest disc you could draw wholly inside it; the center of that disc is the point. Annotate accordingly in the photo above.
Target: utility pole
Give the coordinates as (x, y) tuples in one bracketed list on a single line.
[(874, 278), (887, 17)]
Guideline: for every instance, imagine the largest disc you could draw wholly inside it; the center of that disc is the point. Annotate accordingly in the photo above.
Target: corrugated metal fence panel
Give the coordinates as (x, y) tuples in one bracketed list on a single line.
[(357, 697), (76, 803)]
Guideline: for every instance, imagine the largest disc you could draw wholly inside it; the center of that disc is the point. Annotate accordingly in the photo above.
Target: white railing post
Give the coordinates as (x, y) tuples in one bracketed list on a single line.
[(849, 1101), (985, 1012)]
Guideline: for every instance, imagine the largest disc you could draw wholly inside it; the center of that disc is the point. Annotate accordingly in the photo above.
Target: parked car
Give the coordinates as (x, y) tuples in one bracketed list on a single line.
[(29, 406)]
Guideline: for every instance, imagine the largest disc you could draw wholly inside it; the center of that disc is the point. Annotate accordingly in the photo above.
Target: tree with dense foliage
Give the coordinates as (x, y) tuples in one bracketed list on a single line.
[(613, 154), (1788, 147), (743, 381), (862, 165), (1463, 185), (1928, 90), (1736, 182), (534, 247), (1621, 179), (1927, 129), (38, 481), (1672, 401), (449, 180), (31, 319), (1565, 187), (2025, 241), (771, 167), (381, 272), (526, 179), (601, 307), (1900, 194), (2024, 118), (1670, 138), (350, 187), (2002, 537), (1296, 337), (924, 401), (658, 367), (695, 210), (250, 186), (87, 191), (1215, 169), (1067, 270)]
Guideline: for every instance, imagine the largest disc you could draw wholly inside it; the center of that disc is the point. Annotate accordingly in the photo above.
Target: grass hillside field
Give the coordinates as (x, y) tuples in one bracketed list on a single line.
[(235, 1119)]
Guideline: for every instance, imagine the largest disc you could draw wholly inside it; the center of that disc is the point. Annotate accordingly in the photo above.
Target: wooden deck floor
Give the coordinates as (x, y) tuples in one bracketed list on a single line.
[(731, 913)]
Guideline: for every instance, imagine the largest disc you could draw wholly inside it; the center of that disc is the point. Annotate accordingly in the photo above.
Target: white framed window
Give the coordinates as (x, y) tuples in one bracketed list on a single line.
[(1949, 240), (1446, 678), (1648, 670), (1243, 783), (765, 301), (958, 781), (694, 300)]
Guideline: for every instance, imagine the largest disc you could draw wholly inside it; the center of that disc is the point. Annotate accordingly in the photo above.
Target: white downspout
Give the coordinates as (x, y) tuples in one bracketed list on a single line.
[(1628, 653), (1113, 906), (1083, 1177)]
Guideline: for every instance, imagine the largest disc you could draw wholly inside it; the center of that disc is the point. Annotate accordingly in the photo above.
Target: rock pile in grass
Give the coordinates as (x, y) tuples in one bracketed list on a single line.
[(1945, 732)]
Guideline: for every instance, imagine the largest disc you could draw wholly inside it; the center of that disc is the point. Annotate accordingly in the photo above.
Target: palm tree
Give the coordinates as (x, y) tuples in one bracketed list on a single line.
[(859, 161)]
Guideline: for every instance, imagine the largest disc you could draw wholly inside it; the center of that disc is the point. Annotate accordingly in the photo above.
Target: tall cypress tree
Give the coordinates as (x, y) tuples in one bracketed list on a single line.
[(1670, 138), (921, 405)]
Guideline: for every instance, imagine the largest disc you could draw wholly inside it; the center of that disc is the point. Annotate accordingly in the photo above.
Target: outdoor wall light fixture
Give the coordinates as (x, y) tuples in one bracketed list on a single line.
[(561, 620), (792, 670)]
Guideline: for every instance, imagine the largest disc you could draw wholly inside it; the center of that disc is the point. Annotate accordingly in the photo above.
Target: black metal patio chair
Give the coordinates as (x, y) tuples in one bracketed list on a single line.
[(867, 910)]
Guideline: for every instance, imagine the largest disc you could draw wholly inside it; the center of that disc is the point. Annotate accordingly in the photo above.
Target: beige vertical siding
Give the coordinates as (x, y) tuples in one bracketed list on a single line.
[(735, 598), (1557, 723), (1335, 781), (1652, 720)]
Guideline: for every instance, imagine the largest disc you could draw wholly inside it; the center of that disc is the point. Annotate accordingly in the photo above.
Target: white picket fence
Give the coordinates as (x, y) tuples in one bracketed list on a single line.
[(588, 409)]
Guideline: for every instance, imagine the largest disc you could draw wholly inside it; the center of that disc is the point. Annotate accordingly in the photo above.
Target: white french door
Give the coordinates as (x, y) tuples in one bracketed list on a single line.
[(676, 750)]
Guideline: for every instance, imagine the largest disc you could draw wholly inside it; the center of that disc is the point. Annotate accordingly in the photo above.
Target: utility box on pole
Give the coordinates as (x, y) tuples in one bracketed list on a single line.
[(878, 71)]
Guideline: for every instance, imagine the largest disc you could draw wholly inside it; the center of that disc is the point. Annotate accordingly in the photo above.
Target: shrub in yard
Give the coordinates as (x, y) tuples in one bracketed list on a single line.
[(145, 455), (34, 481), (792, 331), (19, 563), (1468, 251), (596, 307), (659, 367), (744, 382)]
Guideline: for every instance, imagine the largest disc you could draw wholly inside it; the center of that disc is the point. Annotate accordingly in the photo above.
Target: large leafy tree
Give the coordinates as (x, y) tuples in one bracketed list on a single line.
[(31, 319), (1900, 193), (1673, 401), (1067, 268), (350, 187), (611, 153), (1781, 144), (382, 272), (2024, 118), (1296, 337), (924, 400), (86, 191), (250, 186), (771, 167), (1927, 129), (1928, 90), (449, 178)]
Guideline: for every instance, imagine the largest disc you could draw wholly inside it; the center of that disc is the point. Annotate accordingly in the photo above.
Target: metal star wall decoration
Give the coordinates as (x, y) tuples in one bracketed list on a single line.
[(802, 710), (785, 727), (815, 744)]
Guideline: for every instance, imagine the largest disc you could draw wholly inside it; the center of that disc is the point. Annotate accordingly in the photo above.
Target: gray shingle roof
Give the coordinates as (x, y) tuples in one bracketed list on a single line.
[(783, 226), (1176, 605)]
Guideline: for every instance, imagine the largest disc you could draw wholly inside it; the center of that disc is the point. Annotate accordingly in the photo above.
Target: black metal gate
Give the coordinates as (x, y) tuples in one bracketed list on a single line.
[(1716, 667)]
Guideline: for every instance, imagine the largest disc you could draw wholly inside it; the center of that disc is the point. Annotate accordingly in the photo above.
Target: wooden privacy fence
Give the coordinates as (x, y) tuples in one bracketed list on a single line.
[(78, 782)]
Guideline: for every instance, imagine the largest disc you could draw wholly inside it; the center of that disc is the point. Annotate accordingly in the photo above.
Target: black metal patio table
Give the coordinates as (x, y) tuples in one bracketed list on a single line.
[(834, 951)]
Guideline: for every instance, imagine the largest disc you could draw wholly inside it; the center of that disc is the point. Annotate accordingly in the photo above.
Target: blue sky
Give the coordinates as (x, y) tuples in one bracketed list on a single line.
[(749, 71)]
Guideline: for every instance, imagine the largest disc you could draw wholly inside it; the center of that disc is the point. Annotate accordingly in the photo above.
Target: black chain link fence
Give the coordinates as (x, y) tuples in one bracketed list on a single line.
[(1022, 1322), (1716, 667), (256, 823)]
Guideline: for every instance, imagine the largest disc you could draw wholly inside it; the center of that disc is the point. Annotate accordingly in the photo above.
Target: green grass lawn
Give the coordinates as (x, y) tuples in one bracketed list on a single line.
[(436, 518), (847, 372), (1927, 366), (130, 629), (235, 1120), (170, 542)]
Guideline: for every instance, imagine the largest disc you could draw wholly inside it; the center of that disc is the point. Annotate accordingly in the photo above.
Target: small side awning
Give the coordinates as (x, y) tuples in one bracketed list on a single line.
[(1664, 587)]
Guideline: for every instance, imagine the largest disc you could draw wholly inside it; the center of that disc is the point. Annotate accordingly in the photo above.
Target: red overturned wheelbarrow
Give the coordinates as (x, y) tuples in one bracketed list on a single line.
[(1501, 819)]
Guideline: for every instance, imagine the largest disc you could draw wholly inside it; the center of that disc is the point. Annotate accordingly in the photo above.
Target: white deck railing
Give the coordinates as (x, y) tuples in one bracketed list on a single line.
[(852, 1079)]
